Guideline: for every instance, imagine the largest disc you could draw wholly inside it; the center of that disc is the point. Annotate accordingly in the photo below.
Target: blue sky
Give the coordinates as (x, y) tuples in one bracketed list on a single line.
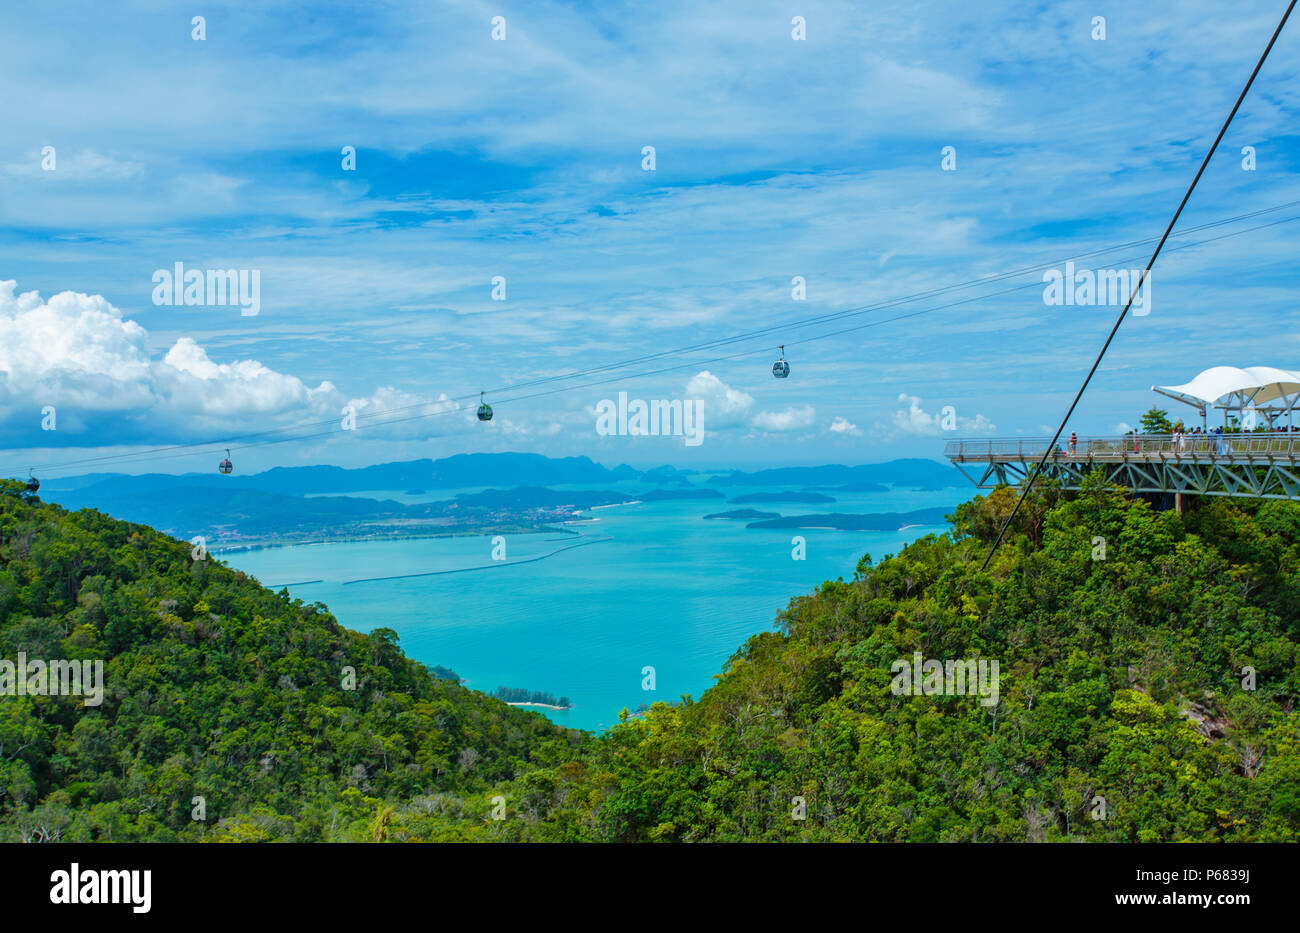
[(522, 158)]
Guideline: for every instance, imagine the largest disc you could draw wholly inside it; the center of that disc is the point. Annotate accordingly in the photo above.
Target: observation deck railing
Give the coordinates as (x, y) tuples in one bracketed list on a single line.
[(1284, 446)]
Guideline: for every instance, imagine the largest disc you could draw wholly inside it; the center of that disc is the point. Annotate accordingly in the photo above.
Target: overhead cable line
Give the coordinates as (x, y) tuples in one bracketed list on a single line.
[(1047, 452), (255, 439)]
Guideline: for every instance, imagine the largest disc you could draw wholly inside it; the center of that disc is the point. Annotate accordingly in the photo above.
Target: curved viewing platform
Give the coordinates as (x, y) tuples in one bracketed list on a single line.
[(1258, 465)]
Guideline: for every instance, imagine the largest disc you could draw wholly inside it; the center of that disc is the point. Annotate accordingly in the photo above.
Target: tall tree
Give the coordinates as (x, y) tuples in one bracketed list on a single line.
[(1156, 421)]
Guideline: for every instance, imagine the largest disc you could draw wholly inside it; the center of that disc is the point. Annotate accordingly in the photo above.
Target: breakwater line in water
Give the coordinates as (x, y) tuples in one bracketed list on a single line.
[(507, 563)]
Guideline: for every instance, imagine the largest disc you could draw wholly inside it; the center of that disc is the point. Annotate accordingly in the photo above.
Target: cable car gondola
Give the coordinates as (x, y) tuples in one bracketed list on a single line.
[(484, 409), (33, 483), (225, 466), (781, 369)]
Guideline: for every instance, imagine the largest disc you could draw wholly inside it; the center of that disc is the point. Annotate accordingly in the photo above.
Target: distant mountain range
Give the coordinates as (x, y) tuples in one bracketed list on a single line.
[(232, 514), (460, 471), (293, 502), (504, 469)]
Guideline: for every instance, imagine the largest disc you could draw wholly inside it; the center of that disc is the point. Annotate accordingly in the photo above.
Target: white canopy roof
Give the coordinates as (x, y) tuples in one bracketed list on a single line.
[(1257, 385)]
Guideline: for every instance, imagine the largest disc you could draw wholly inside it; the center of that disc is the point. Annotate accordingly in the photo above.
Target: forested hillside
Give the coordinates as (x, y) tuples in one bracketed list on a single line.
[(217, 688), (1120, 678), (1123, 637)]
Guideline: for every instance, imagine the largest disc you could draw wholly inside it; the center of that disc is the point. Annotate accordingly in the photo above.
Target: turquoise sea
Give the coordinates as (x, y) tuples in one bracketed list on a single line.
[(653, 585)]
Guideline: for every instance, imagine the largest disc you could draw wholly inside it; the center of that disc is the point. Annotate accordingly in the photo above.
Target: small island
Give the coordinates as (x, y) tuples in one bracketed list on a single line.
[(856, 486), (667, 474), (519, 696), (879, 521), (748, 515)]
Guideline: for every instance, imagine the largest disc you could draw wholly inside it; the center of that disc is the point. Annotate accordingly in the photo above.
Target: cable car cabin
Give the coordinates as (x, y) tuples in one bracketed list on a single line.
[(33, 484), (781, 369), (484, 409), (225, 466)]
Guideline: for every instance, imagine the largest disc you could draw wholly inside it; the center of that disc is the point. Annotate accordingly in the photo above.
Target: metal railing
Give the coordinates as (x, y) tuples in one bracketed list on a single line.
[(1128, 447)]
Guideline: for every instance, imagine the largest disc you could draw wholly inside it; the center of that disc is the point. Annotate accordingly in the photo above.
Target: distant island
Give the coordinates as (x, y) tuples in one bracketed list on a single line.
[(519, 696), (806, 497), (744, 515), (667, 474), (857, 486), (880, 521), (911, 473)]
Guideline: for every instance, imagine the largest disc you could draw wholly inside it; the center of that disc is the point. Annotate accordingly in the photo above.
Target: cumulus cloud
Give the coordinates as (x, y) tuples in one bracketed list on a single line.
[(792, 419), (724, 407), (190, 381), (74, 349), (844, 426), (916, 420), (77, 353), (393, 412), (728, 408)]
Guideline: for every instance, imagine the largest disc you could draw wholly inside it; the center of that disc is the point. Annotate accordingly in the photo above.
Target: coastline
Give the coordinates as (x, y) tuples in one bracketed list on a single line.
[(273, 543)]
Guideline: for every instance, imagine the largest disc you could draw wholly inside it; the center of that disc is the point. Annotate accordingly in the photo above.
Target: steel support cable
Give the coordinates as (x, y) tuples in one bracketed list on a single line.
[(1038, 468)]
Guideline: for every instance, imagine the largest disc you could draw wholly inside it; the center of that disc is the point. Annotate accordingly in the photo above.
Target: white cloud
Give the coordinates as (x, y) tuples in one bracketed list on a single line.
[(724, 407), (85, 165), (390, 412), (78, 353), (792, 419), (187, 380), (844, 426), (727, 408), (74, 348), (916, 420)]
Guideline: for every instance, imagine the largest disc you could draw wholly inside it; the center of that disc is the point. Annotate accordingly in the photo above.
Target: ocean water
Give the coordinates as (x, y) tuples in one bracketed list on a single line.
[(653, 585)]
